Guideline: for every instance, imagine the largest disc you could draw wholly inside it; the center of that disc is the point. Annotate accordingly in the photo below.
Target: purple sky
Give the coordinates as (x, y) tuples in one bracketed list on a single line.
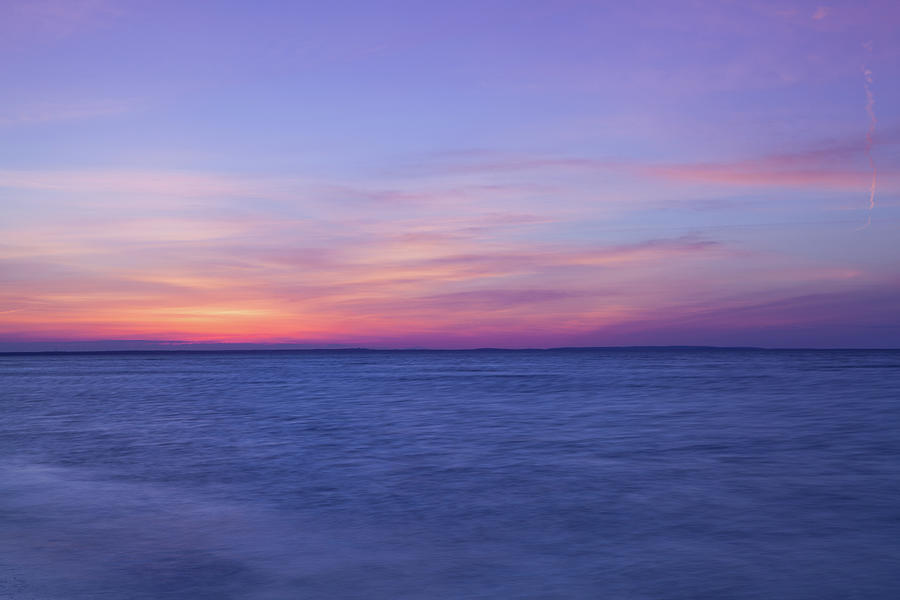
[(449, 175)]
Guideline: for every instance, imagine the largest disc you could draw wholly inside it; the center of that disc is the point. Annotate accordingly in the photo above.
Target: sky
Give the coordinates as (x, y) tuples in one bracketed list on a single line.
[(489, 173)]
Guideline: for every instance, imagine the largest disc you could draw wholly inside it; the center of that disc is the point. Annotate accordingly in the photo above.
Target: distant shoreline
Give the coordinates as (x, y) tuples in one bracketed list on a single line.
[(442, 350)]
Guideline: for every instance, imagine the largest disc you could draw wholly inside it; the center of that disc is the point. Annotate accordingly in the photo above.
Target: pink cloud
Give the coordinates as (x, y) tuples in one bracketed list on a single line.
[(831, 165), (820, 13), (751, 173), (162, 183)]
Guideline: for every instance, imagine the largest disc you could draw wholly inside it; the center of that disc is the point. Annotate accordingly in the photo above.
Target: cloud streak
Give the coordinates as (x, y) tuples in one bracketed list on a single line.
[(870, 132), (826, 166), (47, 112)]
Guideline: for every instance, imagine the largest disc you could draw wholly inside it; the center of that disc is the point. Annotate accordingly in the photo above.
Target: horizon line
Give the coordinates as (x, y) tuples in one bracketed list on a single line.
[(418, 349)]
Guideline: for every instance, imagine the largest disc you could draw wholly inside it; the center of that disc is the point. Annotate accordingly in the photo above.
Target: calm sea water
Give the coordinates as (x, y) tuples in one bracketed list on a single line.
[(595, 474)]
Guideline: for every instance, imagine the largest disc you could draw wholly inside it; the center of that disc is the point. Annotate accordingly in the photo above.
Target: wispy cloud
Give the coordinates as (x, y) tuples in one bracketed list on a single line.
[(820, 13), (41, 20), (163, 183), (45, 112), (828, 165)]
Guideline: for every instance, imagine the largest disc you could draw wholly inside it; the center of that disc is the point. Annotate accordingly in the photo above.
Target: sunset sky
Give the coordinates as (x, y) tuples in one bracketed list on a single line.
[(501, 173)]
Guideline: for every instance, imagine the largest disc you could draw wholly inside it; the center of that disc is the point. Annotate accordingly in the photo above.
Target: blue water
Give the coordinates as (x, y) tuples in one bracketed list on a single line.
[(601, 474)]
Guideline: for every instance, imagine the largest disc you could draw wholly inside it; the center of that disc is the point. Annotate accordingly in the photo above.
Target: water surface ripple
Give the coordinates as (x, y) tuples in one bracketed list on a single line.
[(619, 474)]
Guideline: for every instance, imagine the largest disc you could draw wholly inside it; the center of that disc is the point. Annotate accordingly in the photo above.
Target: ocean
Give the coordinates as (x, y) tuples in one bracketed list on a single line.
[(572, 474)]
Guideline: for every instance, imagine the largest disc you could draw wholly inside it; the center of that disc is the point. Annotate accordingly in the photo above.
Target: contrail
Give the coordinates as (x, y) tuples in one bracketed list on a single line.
[(870, 110)]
